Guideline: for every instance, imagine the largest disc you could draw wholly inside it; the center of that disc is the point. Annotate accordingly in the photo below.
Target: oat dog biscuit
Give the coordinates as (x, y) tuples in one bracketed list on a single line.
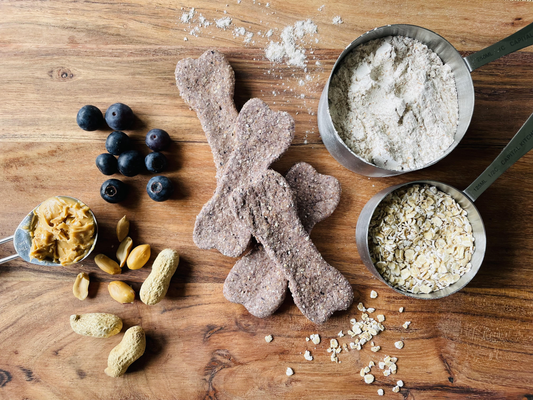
[(261, 136), (207, 86), (255, 281), (268, 208)]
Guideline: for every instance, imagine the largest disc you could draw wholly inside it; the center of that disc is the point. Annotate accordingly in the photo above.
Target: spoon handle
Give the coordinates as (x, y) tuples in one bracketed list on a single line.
[(519, 145), (7, 239), (517, 41)]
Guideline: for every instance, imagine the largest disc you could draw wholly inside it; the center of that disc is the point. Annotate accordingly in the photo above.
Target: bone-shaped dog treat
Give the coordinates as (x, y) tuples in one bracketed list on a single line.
[(261, 136), (207, 86), (267, 207), (255, 281)]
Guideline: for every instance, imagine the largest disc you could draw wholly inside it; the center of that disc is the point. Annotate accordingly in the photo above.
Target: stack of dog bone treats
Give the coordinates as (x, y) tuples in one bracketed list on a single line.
[(253, 200)]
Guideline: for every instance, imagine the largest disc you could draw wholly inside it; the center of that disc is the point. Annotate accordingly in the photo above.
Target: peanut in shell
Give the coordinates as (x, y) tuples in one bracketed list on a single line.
[(131, 348), (98, 325), (155, 287)]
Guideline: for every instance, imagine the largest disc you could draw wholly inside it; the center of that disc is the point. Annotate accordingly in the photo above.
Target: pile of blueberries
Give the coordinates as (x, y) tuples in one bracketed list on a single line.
[(130, 162)]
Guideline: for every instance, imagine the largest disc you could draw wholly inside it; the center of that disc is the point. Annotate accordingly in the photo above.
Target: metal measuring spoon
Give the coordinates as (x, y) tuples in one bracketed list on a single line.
[(22, 240), (461, 68), (519, 145)]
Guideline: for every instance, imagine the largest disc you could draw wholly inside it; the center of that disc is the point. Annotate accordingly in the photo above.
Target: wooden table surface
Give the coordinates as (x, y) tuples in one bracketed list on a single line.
[(57, 55)]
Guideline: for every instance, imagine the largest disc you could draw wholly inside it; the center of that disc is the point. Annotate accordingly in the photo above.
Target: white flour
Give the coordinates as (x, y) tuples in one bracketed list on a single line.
[(289, 48), (394, 103)]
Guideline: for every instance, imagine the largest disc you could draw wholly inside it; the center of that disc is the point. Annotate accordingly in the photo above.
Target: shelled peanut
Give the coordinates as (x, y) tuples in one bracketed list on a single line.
[(121, 292), (138, 257), (80, 289), (108, 265)]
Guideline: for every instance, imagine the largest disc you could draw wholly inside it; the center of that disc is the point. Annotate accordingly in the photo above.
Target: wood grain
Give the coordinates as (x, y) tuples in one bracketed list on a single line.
[(56, 56)]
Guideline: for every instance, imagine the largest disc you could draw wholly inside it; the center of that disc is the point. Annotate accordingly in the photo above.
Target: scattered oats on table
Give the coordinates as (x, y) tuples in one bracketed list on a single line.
[(396, 389), (268, 338), (398, 344), (381, 392), (401, 309), (308, 355), (369, 378), (373, 294), (406, 324), (315, 338), (289, 371), (399, 383), (375, 349), (340, 334)]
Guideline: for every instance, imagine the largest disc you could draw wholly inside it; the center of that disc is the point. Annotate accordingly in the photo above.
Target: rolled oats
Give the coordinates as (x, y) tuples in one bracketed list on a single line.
[(406, 324), (308, 355), (289, 371), (398, 344), (373, 294), (399, 383), (396, 389), (369, 378), (381, 392), (268, 338), (420, 239), (315, 338)]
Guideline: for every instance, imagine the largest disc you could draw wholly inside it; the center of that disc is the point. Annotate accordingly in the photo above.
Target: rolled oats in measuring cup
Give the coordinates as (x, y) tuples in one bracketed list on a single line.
[(420, 239)]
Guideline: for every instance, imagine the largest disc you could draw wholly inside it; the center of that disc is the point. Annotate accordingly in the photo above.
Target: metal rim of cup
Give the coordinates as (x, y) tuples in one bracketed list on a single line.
[(465, 93)]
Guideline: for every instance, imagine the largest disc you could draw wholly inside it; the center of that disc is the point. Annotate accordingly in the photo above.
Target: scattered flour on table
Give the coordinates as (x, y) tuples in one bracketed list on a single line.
[(394, 103), (289, 48), (223, 23), (187, 16)]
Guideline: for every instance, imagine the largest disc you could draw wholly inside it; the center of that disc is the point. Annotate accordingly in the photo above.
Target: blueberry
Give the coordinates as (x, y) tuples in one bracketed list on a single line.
[(117, 143), (89, 118), (107, 164), (130, 163), (155, 162), (113, 191), (157, 139), (119, 116), (160, 188)]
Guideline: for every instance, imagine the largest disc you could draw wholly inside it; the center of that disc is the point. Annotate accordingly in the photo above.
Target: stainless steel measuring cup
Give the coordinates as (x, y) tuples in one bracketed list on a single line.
[(519, 145), (461, 67), (22, 240)]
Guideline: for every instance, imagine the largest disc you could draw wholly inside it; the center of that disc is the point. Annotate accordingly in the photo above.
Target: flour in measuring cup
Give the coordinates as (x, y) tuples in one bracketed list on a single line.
[(394, 103)]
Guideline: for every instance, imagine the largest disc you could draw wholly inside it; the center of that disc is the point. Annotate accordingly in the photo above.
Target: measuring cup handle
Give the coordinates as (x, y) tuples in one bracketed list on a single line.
[(9, 258), (519, 145), (517, 41)]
